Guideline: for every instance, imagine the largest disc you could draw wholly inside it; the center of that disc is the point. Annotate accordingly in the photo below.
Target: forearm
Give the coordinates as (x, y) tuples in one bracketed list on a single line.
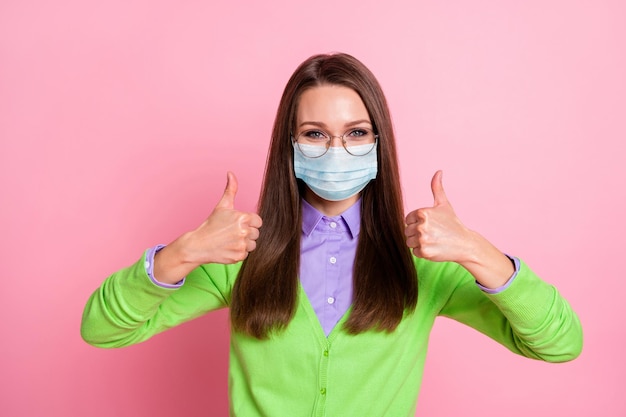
[(542, 320), (130, 307), (543, 324), (117, 312), (529, 317)]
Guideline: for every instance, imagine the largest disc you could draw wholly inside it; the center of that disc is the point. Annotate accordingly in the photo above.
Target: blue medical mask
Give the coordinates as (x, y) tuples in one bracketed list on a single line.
[(336, 175)]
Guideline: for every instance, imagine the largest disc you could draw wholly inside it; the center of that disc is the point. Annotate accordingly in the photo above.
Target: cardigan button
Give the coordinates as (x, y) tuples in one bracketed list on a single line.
[(323, 391)]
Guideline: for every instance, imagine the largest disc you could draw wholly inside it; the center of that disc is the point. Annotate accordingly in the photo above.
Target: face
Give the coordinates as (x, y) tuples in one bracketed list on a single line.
[(333, 109)]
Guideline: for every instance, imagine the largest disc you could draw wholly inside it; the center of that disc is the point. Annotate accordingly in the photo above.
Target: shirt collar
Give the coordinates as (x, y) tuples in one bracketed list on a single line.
[(311, 217)]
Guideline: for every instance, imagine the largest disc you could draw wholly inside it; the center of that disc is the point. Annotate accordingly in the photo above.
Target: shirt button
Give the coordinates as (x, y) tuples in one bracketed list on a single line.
[(331, 300), (333, 225), (326, 353), (323, 391), (333, 260)]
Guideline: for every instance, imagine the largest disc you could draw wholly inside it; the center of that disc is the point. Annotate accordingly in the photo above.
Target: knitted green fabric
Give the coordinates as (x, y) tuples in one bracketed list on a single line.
[(301, 372)]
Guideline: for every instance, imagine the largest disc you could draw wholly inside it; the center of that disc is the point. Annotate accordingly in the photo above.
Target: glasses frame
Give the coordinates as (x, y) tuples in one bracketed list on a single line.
[(330, 139)]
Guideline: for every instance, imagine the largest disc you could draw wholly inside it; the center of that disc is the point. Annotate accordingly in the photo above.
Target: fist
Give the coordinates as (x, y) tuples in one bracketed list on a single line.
[(227, 235), (436, 233)]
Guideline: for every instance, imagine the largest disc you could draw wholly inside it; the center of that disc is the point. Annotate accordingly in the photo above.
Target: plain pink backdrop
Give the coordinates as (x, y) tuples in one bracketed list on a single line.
[(119, 119)]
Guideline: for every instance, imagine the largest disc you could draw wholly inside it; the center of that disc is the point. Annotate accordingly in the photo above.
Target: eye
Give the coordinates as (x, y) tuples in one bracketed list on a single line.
[(314, 135), (358, 134)]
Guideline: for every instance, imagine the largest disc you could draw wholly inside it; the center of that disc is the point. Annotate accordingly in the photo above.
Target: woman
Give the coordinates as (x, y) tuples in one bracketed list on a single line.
[(330, 311)]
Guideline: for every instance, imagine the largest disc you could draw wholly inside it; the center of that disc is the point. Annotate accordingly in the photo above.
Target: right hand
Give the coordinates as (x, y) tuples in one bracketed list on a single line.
[(227, 236)]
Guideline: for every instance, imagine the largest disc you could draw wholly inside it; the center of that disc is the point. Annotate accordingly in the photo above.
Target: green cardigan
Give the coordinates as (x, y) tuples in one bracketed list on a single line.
[(301, 372)]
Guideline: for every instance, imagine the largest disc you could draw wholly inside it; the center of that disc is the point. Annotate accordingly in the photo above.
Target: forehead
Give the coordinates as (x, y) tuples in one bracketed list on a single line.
[(330, 104)]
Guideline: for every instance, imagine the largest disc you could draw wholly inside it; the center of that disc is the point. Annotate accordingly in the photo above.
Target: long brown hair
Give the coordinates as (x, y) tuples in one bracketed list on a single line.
[(385, 284)]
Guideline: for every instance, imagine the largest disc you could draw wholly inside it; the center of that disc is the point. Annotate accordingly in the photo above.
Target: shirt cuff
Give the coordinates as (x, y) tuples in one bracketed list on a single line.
[(516, 265), (149, 265)]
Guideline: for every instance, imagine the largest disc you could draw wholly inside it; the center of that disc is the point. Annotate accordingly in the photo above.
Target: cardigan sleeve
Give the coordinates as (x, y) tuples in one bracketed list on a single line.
[(529, 317), (129, 308)]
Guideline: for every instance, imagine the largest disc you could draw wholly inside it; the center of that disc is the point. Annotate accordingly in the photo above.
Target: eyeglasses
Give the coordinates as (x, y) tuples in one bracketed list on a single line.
[(314, 143)]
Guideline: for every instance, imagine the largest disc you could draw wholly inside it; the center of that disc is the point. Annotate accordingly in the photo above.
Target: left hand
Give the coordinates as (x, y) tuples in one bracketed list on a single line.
[(436, 233)]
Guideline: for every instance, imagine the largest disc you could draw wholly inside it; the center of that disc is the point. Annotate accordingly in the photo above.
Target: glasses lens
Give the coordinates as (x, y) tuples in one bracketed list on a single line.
[(313, 143), (311, 151), (359, 142)]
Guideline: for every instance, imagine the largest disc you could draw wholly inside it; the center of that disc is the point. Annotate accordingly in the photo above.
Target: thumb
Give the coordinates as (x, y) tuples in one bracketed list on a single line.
[(437, 186), (228, 199)]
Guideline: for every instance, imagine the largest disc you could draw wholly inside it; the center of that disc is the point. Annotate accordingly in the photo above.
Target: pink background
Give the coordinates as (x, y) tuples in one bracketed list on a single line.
[(119, 119)]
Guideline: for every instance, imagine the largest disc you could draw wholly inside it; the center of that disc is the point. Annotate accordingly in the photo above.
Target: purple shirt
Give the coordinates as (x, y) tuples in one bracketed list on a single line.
[(327, 252)]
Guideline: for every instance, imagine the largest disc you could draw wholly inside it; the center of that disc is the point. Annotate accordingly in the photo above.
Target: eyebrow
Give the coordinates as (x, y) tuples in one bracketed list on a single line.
[(349, 124)]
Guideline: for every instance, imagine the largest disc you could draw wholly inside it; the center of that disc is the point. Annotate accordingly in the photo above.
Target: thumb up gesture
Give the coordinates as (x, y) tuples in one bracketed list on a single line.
[(436, 233), (226, 237)]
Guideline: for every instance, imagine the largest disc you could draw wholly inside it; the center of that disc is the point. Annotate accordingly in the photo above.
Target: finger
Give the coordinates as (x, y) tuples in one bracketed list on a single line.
[(228, 199), (253, 233), (416, 217), (410, 230), (255, 221), (412, 241), (250, 246), (411, 218), (437, 186)]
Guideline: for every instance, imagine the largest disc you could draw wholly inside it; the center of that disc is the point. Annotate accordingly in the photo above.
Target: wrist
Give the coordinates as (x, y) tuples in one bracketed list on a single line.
[(489, 266), (170, 265)]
